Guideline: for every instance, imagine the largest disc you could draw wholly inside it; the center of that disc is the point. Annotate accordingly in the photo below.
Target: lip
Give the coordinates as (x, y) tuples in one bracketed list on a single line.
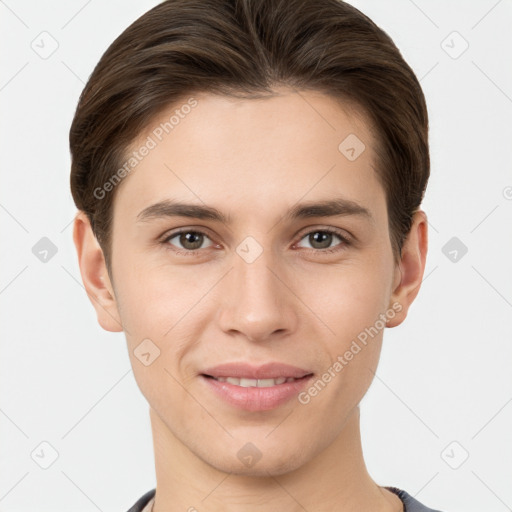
[(272, 370), (255, 398)]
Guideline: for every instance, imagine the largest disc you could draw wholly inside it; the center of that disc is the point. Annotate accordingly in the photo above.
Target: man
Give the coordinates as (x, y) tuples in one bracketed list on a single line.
[(248, 175)]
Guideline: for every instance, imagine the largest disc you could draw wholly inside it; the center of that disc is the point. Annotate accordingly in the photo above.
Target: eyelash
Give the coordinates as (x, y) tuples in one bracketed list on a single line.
[(345, 242)]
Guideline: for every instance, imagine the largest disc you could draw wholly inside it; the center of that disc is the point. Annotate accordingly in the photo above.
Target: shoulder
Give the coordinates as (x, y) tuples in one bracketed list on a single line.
[(142, 501), (410, 504)]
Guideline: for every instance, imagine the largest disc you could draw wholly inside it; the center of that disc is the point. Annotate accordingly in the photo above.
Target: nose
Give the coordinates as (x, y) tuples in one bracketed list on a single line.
[(257, 300)]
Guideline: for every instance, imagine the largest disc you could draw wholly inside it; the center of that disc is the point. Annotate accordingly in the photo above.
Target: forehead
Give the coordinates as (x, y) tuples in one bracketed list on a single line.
[(250, 154)]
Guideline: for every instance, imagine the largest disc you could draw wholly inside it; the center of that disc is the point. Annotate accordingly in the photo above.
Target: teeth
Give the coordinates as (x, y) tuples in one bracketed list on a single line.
[(260, 383)]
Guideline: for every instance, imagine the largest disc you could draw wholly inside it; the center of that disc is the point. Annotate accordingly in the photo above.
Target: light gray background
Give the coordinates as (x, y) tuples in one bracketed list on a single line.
[(443, 389)]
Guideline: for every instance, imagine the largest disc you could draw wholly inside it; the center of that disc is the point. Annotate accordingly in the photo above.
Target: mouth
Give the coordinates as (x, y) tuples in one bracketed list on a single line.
[(246, 382), (254, 395)]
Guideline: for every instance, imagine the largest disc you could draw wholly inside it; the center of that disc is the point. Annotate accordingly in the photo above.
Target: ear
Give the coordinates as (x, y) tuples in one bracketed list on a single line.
[(409, 272), (94, 274)]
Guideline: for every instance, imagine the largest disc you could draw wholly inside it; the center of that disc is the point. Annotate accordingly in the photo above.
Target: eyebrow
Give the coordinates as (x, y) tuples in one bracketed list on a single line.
[(327, 208)]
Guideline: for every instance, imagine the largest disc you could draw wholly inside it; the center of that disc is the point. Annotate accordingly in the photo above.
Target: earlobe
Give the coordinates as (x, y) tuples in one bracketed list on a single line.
[(411, 268), (94, 274)]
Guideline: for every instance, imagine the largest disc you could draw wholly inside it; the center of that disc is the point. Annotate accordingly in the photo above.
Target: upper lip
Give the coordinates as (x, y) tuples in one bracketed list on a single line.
[(272, 370)]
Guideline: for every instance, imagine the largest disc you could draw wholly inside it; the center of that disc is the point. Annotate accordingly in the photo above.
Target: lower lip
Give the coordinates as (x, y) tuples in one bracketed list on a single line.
[(257, 399)]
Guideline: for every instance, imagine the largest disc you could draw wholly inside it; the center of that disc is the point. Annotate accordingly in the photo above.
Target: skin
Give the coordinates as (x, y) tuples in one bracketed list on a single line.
[(254, 160)]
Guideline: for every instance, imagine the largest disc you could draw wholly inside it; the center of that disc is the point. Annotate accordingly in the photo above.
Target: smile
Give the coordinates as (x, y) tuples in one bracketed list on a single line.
[(255, 383)]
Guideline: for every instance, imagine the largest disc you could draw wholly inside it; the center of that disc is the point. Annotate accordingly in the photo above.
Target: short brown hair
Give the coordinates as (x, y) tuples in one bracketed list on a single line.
[(244, 48)]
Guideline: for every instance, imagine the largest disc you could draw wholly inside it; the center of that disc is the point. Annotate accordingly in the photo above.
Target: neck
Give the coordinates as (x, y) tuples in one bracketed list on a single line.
[(335, 479)]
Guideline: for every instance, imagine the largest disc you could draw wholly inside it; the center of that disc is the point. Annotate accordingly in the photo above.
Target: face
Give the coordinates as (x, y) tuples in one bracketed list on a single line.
[(251, 272)]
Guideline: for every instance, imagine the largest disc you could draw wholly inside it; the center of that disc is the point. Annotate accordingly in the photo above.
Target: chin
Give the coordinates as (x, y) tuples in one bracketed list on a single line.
[(277, 464)]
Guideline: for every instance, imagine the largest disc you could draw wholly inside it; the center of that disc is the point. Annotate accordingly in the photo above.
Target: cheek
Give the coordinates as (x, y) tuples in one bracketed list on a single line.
[(348, 297), (349, 302), (153, 299), (160, 331), (162, 312)]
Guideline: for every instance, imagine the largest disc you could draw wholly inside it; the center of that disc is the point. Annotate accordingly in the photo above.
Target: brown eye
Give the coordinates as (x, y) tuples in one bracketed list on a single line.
[(188, 240), (322, 239), (191, 240)]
